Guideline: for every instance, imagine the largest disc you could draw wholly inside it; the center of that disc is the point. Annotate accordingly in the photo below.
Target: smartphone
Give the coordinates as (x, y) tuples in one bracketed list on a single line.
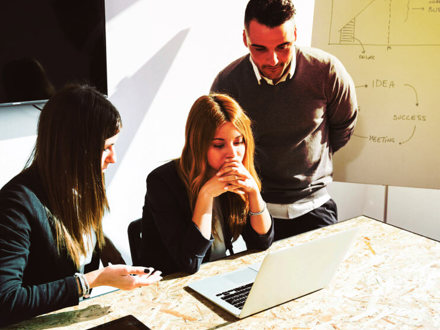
[(128, 322)]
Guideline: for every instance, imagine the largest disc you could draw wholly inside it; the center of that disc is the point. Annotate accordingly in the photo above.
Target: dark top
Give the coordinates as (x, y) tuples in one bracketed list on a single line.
[(34, 278), (297, 124), (172, 242)]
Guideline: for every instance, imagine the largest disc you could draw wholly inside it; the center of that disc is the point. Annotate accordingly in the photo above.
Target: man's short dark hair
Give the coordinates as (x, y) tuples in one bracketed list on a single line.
[(271, 13)]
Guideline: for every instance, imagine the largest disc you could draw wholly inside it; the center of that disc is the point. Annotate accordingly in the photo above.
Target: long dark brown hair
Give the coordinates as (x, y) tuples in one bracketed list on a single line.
[(72, 130), (207, 114)]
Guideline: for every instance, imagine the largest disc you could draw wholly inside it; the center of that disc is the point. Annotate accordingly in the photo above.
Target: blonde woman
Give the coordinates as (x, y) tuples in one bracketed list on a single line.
[(197, 205), (51, 213)]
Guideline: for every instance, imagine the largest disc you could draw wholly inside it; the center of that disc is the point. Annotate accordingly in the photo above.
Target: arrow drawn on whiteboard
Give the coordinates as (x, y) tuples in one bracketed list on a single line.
[(359, 86), (415, 92), (414, 130), (360, 43), (359, 136)]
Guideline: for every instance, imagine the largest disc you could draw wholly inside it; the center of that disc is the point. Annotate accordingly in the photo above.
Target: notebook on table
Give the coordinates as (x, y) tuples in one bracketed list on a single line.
[(283, 275)]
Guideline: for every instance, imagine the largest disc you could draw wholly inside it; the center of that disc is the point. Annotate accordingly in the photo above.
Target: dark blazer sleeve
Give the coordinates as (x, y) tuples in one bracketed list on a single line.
[(255, 241), (167, 206), (23, 291)]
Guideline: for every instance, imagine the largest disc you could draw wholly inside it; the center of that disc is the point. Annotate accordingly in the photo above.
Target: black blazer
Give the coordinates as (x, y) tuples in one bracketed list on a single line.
[(171, 241), (34, 278)]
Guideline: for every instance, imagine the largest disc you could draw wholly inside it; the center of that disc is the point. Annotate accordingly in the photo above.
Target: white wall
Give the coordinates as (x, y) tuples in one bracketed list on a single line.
[(17, 137), (162, 55)]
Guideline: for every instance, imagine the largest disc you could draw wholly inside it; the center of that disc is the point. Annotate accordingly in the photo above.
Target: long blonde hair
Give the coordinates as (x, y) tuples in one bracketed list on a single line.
[(207, 114), (72, 130)]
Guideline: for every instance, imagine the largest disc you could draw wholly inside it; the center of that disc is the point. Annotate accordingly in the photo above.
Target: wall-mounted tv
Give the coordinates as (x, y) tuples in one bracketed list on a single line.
[(45, 44)]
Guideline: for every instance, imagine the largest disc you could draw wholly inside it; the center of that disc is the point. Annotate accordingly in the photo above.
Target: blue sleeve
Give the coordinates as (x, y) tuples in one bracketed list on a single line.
[(169, 208)]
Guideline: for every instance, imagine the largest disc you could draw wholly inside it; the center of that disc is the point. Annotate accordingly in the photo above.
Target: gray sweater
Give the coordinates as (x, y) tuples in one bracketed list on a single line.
[(297, 124)]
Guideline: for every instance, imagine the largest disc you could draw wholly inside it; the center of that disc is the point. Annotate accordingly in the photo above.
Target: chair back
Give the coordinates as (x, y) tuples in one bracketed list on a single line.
[(135, 241)]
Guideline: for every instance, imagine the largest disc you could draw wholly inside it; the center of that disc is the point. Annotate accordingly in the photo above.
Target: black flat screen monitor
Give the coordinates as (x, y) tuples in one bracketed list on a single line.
[(45, 44)]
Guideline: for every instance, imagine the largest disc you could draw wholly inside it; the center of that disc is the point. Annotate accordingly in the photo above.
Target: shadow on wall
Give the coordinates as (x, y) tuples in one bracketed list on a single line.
[(134, 95), (115, 7)]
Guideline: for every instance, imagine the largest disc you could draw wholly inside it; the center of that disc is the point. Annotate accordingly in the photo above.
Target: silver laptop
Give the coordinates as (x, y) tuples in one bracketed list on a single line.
[(283, 275)]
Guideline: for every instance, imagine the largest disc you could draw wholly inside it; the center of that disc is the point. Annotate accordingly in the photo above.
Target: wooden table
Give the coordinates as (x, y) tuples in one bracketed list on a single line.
[(389, 279)]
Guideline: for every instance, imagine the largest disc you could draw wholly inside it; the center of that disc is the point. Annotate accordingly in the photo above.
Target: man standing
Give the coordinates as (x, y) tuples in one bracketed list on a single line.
[(303, 106)]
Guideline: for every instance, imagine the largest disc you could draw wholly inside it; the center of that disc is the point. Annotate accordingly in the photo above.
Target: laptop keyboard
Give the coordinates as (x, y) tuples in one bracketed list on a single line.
[(236, 296)]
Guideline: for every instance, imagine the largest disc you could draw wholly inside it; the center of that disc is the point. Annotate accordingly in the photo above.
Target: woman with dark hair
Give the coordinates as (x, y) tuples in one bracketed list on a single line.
[(51, 213), (197, 205)]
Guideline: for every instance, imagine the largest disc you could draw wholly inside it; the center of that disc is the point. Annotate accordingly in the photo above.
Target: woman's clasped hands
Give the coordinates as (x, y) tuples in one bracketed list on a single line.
[(233, 177), (236, 178)]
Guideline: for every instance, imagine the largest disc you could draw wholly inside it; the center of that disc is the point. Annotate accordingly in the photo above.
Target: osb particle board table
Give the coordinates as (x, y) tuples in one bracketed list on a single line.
[(390, 279)]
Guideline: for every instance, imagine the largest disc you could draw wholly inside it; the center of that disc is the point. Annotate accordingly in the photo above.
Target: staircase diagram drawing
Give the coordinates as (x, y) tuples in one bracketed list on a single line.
[(389, 23), (391, 48)]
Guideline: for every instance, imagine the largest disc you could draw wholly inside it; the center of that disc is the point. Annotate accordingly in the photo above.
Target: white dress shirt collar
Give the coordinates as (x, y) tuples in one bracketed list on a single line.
[(287, 75)]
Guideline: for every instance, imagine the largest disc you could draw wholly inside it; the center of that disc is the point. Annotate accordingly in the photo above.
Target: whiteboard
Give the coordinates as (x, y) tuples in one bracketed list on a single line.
[(391, 48)]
